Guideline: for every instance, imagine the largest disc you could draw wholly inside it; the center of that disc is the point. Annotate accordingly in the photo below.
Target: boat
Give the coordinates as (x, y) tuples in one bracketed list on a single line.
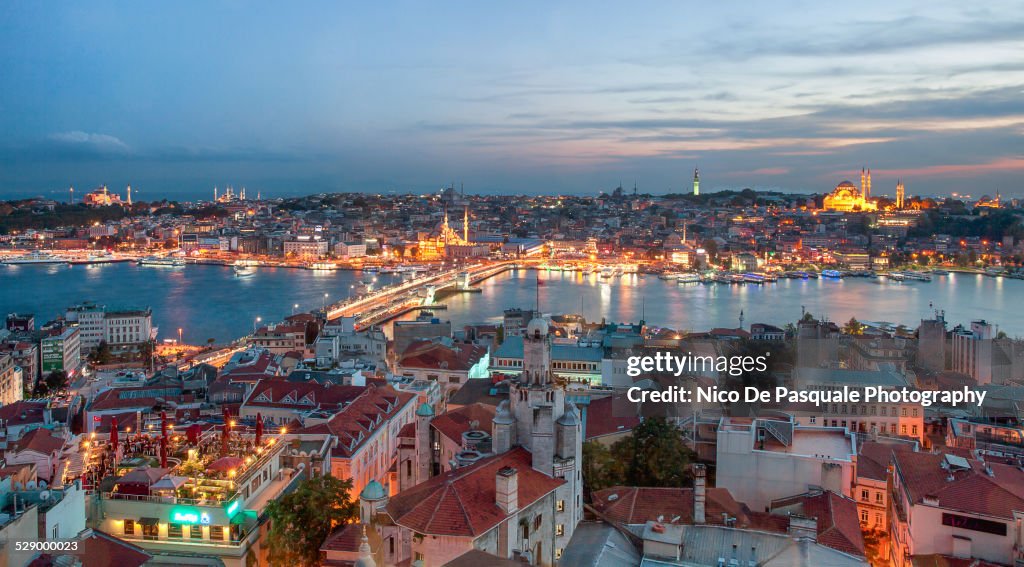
[(161, 261), (688, 278), (835, 274), (371, 269), (896, 276), (753, 278), (669, 276), (940, 273), (606, 273), (35, 257), (322, 266), (917, 276)]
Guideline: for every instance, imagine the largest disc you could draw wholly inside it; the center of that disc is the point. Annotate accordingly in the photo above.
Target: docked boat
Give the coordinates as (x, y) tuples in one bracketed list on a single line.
[(917, 276), (940, 273), (161, 262), (322, 266), (753, 278), (688, 278), (670, 276), (835, 274), (606, 273), (35, 258)]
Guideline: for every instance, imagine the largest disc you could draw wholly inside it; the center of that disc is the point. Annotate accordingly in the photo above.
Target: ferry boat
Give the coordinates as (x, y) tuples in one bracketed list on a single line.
[(688, 278), (831, 274), (322, 266), (940, 273), (917, 276), (753, 278), (35, 258), (606, 273), (371, 269), (670, 276), (161, 262), (896, 276)]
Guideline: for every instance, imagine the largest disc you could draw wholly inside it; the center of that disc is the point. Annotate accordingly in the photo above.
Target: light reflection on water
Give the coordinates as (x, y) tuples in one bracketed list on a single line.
[(211, 302)]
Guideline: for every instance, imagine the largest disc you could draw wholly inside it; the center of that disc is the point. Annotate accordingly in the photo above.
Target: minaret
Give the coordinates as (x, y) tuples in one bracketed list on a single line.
[(900, 194), (215, 194), (241, 196), (72, 191), (863, 182), (129, 195), (867, 194), (696, 181), (465, 225), (444, 225)]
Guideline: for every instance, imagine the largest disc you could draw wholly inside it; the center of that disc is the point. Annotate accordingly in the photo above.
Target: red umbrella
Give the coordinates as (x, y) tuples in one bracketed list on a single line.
[(113, 433), (163, 452), (163, 425), (192, 432), (259, 428)]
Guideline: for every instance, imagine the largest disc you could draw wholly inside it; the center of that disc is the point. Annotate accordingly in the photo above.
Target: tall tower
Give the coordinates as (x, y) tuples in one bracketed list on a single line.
[(465, 224), (215, 194), (129, 195), (696, 181), (863, 182), (71, 190), (867, 194), (900, 194)]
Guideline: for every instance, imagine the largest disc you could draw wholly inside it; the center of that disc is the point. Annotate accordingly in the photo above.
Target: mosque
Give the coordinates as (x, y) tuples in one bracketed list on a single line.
[(438, 246), (846, 197)]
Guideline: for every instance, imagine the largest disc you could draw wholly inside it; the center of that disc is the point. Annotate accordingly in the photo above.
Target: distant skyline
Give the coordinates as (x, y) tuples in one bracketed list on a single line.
[(530, 97)]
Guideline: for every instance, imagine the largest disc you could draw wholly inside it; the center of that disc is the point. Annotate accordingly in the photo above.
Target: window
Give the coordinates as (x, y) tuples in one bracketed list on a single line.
[(903, 429), (217, 533), (558, 553), (878, 519), (174, 531), (878, 497), (864, 516), (537, 520), (560, 506), (559, 530), (813, 419), (914, 412), (55, 533), (913, 429), (904, 412), (129, 527), (195, 532), (151, 531), (864, 495)]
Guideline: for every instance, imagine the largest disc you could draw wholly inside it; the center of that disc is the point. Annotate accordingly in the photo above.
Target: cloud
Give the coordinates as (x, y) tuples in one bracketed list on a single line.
[(99, 143)]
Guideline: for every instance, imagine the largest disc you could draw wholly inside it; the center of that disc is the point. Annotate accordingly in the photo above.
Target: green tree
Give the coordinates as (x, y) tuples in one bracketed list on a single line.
[(56, 380), (654, 455), (853, 327), (301, 520)]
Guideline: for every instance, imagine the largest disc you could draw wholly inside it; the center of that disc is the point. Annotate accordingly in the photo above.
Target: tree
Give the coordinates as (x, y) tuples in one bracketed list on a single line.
[(654, 455), (301, 520), (56, 380), (102, 354), (853, 327)]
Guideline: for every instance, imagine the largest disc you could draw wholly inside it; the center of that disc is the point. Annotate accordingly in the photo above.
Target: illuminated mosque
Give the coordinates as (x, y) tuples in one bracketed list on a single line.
[(433, 247), (846, 197)]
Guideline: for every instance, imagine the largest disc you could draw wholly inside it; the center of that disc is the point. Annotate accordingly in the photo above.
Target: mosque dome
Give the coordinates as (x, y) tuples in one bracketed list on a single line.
[(425, 410), (373, 491), (537, 326)]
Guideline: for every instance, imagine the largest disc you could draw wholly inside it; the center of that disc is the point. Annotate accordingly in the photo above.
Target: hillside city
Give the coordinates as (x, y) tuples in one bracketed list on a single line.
[(373, 431)]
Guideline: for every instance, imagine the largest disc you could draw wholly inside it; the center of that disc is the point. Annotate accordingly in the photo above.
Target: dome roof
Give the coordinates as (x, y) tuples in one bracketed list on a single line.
[(570, 417), (846, 184), (424, 410), (537, 326), (373, 491)]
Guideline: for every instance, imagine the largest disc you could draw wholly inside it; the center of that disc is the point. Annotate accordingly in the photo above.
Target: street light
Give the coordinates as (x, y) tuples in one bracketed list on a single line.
[(255, 324), (325, 301), (294, 307), (179, 336)]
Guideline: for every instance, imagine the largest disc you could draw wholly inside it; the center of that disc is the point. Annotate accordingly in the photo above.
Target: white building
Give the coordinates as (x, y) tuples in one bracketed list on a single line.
[(11, 380), (760, 460)]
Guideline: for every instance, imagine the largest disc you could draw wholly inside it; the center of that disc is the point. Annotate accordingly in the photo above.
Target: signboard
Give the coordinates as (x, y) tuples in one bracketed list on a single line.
[(191, 517)]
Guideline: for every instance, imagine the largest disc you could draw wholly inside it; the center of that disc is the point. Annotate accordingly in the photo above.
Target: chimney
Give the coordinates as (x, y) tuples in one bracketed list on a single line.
[(699, 492), (507, 490), (803, 527)]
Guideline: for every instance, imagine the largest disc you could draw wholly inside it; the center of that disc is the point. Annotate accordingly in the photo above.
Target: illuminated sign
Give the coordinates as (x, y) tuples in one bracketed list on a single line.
[(231, 509), (190, 518)]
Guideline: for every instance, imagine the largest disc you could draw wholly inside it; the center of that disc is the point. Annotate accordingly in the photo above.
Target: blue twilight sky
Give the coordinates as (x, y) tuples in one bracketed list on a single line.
[(524, 97)]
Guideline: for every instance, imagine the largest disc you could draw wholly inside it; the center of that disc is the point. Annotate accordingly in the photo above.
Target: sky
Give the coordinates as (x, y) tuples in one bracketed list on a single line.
[(527, 97)]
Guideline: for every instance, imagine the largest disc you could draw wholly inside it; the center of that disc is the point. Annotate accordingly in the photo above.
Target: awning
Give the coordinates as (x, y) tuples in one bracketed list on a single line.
[(149, 521)]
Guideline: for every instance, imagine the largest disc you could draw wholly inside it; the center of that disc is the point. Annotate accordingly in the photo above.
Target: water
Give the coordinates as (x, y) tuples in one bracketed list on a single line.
[(211, 302)]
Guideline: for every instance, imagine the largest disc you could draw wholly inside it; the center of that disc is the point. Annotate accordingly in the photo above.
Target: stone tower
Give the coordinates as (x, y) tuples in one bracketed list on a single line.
[(696, 181)]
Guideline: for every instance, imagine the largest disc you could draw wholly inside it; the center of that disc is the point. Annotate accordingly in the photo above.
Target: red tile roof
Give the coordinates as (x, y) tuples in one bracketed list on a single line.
[(39, 440), (456, 422), (838, 523), (23, 412), (437, 356), (972, 491), (372, 409), (462, 502), (636, 505), (301, 395), (602, 419), (103, 550)]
